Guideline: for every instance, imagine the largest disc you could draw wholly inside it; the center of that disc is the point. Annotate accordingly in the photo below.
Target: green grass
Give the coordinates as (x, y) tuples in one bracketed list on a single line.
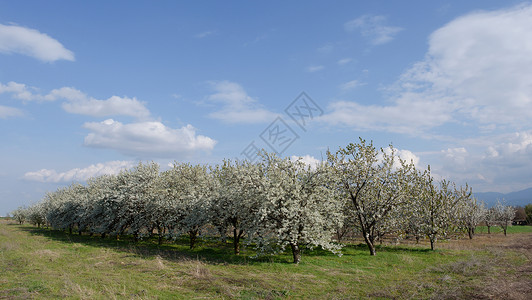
[(511, 229), (42, 263)]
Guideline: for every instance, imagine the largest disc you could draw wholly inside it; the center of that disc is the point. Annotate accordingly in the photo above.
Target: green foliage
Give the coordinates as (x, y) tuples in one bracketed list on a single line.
[(528, 212)]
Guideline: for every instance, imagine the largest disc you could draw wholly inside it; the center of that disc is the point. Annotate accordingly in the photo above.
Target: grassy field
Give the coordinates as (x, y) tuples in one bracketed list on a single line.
[(497, 229), (41, 263)]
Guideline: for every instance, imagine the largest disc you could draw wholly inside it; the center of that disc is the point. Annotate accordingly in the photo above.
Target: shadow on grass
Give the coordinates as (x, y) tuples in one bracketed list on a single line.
[(207, 250)]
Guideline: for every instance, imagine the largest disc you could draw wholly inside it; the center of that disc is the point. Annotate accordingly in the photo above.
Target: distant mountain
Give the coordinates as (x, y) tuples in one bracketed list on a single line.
[(520, 198)]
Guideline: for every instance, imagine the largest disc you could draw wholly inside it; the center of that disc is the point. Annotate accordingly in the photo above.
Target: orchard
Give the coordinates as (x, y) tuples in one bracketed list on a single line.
[(273, 205)]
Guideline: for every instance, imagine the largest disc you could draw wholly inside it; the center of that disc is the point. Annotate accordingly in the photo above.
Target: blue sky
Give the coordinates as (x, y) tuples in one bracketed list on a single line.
[(91, 88)]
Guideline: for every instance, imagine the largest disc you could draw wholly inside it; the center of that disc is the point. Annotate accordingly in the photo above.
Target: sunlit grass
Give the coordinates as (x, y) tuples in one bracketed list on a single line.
[(42, 263), (511, 229)]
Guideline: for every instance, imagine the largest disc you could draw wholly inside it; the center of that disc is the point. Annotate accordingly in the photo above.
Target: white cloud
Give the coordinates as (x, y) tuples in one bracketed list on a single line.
[(477, 69), (146, 139), (374, 28), (258, 39), (326, 49), (514, 150), (79, 174), (482, 63), (313, 69), (406, 155), (9, 112), (79, 103), (490, 163), (456, 159), (21, 91), (308, 160), (205, 34), (405, 116), (30, 42), (344, 61), (351, 85), (237, 106)]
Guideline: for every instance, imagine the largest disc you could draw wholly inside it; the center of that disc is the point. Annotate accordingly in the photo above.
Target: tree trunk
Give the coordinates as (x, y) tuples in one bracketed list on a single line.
[(296, 253), (70, 229), (432, 241), (470, 232), (161, 232), (369, 241), (489, 229), (417, 239), (193, 234), (236, 245), (338, 235), (222, 230), (236, 240), (159, 235)]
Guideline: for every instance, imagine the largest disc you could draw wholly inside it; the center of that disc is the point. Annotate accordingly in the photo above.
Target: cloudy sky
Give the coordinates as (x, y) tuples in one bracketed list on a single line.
[(92, 88)]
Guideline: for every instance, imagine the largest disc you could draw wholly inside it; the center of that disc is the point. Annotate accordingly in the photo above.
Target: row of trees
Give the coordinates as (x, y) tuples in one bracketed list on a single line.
[(273, 205)]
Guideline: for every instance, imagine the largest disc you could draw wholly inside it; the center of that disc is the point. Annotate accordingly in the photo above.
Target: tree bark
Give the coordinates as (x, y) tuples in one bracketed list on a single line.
[(369, 241), (236, 245), (339, 235), (237, 234), (193, 234), (296, 253), (470, 232), (489, 229), (432, 240), (159, 235)]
